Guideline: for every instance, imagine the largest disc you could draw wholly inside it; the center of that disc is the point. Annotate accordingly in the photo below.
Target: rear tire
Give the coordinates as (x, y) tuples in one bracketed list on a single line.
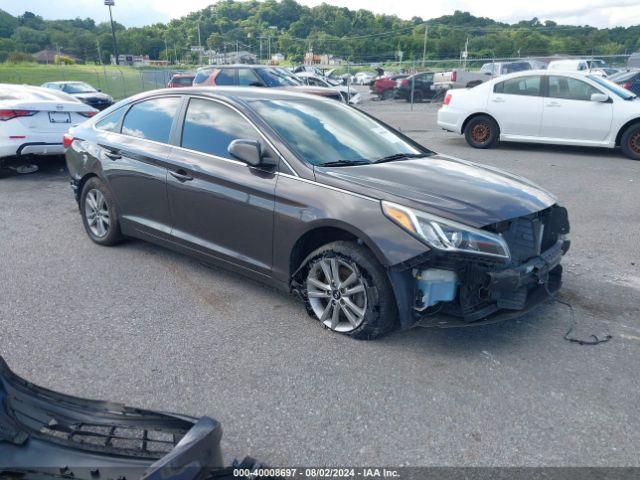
[(630, 142), (346, 288), (481, 132), (99, 213)]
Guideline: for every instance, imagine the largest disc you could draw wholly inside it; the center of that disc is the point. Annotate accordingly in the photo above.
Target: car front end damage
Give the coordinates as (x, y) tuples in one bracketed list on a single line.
[(453, 288)]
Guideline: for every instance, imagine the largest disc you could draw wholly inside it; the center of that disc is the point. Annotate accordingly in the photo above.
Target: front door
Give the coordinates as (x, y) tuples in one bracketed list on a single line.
[(516, 104), (220, 206), (569, 114)]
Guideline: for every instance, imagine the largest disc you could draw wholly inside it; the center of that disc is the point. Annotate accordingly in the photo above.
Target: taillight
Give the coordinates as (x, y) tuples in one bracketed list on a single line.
[(447, 99), (9, 114), (67, 140), (627, 85), (87, 114), (454, 76)]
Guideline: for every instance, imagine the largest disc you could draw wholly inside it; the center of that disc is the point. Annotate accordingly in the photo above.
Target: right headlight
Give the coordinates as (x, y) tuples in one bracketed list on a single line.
[(447, 235)]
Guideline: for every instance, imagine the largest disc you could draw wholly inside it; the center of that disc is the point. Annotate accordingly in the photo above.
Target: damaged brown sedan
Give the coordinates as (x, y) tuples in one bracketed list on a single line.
[(371, 229)]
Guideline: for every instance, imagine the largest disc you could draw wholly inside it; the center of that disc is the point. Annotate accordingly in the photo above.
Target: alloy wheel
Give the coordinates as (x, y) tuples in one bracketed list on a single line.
[(96, 211), (337, 294)]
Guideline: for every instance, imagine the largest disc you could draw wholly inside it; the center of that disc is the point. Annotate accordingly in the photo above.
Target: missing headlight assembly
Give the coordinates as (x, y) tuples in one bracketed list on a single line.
[(476, 276)]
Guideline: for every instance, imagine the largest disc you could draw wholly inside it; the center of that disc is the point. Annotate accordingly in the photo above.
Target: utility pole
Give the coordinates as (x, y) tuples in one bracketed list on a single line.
[(199, 46), (424, 46), (111, 3), (166, 49), (99, 51)]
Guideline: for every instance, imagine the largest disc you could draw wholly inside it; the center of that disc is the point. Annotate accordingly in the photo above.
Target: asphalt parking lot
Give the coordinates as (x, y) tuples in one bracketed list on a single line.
[(143, 325)]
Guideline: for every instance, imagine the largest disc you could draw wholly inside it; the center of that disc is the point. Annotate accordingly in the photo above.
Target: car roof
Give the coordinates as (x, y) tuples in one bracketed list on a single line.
[(239, 93), (525, 73), (237, 65)]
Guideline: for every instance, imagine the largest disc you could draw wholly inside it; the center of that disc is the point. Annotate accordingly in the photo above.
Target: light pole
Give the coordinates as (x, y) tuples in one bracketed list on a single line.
[(111, 3)]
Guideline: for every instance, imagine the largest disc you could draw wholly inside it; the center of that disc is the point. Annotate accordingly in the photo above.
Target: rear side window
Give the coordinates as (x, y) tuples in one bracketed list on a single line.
[(111, 123), (226, 76), (151, 119), (527, 86), (210, 127), (570, 88)]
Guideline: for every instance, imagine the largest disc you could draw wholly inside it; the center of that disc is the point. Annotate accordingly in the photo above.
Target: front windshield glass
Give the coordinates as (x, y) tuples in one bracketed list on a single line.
[(515, 67), (78, 87), (612, 87), (278, 77), (323, 132)]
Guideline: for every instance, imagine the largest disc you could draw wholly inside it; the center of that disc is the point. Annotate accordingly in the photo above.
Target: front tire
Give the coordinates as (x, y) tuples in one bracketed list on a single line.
[(481, 132), (630, 142), (348, 291), (99, 213)]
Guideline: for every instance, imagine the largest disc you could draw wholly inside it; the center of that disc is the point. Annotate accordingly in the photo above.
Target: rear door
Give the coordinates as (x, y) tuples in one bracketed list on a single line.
[(516, 103), (135, 162), (221, 207), (570, 115)]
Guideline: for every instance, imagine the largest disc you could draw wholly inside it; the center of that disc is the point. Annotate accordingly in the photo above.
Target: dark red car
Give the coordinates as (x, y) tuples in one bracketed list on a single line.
[(181, 80), (385, 87)]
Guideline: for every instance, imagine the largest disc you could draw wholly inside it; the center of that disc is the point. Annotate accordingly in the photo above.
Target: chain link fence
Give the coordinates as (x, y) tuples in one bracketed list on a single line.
[(119, 82)]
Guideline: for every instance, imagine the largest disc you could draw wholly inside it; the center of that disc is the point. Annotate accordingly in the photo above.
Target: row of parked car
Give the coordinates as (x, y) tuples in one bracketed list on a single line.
[(310, 80)]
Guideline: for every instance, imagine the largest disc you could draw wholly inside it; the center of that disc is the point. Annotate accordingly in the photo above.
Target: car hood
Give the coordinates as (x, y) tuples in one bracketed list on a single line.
[(448, 187)]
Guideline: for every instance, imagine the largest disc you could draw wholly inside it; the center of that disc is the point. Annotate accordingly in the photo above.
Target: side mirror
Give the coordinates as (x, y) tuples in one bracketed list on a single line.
[(99, 90), (248, 151), (599, 97)]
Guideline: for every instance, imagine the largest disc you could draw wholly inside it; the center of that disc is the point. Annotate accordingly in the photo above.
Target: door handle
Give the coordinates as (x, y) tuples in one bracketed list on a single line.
[(498, 100), (112, 155), (554, 104), (181, 175)]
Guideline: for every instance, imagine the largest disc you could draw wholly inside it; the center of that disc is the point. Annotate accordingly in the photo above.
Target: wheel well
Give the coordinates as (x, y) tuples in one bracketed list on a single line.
[(314, 239), (624, 127), (474, 115), (81, 183)]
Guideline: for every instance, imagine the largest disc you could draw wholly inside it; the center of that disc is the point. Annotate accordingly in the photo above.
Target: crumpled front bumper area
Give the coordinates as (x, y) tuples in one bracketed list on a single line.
[(49, 435), (490, 296), (451, 290)]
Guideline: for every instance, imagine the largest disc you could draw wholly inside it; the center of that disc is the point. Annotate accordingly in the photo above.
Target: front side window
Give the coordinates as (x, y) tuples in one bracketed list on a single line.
[(527, 86), (209, 127), (226, 76), (111, 123), (274, 77), (151, 119), (570, 88), (247, 78), (321, 132)]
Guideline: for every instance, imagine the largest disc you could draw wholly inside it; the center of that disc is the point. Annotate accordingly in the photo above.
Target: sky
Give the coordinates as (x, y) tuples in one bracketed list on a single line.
[(599, 13)]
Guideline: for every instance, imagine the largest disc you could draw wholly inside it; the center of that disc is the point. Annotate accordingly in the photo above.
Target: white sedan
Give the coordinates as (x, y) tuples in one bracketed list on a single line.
[(33, 120), (563, 108)]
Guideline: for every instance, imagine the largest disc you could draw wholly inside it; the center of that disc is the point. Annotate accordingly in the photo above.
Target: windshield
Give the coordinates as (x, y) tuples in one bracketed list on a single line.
[(515, 67), (278, 77), (612, 87), (323, 132), (597, 64), (79, 87)]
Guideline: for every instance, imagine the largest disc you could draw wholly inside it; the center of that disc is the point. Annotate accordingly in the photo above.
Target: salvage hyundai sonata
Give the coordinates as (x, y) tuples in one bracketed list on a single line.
[(372, 230)]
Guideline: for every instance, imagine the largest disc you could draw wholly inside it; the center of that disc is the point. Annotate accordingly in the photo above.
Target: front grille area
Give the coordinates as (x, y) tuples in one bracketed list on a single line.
[(533, 234)]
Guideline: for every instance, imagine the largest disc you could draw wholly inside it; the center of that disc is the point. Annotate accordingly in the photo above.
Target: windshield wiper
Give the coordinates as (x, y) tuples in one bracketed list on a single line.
[(344, 163), (399, 156)]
